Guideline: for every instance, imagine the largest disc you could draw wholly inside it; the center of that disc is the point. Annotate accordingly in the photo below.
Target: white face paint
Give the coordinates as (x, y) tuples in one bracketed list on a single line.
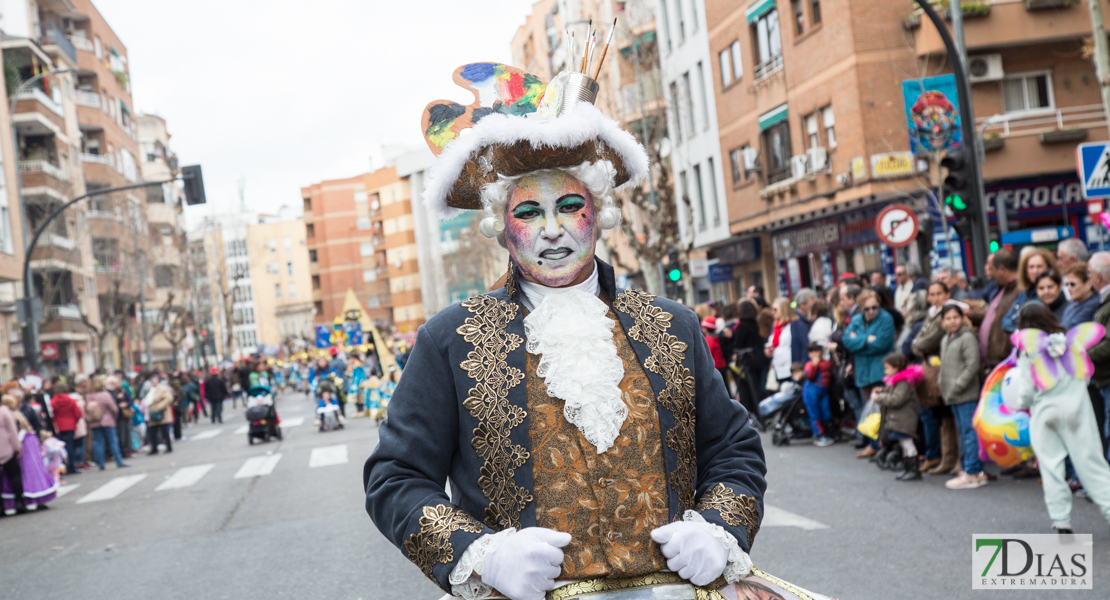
[(551, 228)]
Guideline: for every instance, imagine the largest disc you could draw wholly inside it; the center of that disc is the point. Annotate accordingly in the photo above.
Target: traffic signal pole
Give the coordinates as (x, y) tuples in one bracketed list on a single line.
[(981, 235)]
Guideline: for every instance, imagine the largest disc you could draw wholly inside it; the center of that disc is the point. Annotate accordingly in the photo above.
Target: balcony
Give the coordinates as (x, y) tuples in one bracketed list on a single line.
[(36, 94), (1008, 24), (44, 167), (55, 252), (95, 158), (84, 98), (63, 311), (52, 35), (1040, 122)]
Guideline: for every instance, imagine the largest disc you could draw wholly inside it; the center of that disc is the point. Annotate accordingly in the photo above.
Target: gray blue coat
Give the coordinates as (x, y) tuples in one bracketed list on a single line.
[(459, 414)]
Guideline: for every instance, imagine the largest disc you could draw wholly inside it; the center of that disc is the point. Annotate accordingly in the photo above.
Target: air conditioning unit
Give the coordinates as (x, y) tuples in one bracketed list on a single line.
[(985, 67), (818, 159), (798, 166)]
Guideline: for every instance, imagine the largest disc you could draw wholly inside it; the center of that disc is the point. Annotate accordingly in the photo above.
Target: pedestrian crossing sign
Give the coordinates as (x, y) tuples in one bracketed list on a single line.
[(1093, 162)]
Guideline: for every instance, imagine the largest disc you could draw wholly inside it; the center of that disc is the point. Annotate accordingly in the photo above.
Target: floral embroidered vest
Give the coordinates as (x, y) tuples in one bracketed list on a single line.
[(611, 502)]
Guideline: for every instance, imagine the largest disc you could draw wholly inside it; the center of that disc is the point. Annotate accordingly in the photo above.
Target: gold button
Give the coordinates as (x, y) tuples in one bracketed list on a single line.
[(613, 536), (601, 482)]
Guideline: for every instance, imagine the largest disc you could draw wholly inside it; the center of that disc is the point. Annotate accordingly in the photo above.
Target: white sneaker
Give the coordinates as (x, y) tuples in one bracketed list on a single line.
[(963, 481)]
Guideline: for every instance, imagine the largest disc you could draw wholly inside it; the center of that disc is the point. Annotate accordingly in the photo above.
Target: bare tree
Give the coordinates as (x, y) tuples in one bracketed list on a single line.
[(173, 325)]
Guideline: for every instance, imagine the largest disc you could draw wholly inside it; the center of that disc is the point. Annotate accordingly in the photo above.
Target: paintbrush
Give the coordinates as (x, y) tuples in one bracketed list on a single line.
[(593, 46), (605, 50), (586, 49)]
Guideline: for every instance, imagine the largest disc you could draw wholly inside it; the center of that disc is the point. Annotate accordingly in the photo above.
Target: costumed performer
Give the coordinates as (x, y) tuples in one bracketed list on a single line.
[(589, 442)]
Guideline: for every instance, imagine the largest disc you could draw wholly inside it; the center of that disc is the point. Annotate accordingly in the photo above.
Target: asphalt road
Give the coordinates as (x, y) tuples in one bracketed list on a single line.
[(834, 525)]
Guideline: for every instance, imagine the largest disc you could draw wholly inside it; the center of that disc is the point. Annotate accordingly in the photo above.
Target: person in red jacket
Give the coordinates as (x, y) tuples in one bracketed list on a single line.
[(816, 394), (66, 415), (709, 329)]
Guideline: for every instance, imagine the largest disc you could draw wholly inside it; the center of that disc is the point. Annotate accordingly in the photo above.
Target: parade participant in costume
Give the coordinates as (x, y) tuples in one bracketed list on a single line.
[(590, 444), (1052, 374)]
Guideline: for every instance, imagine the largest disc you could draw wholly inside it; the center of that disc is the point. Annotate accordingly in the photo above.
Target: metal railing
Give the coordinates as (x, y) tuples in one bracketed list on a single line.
[(36, 93), (58, 241), (1037, 121), (95, 158), (85, 98), (769, 67), (63, 311), (53, 35), (42, 166)]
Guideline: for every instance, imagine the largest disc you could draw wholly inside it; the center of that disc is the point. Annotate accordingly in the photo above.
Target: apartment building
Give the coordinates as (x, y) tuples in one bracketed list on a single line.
[(361, 237), (278, 253), (47, 146), (813, 129)]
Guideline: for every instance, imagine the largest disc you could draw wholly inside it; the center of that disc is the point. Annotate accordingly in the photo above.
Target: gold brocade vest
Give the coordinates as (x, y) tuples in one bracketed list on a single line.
[(609, 502)]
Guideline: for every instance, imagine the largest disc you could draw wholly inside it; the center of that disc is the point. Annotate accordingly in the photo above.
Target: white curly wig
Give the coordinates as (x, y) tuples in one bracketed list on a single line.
[(598, 178)]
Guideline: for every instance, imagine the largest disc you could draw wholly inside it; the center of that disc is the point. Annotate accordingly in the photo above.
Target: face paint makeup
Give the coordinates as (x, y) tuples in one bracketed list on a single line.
[(550, 227)]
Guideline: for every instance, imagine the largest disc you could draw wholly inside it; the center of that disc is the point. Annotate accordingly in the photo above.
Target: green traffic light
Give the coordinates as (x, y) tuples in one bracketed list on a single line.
[(994, 246), (674, 274), (956, 202)]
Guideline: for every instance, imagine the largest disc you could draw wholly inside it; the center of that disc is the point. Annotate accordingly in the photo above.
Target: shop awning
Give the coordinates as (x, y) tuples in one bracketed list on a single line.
[(772, 117), (760, 8)]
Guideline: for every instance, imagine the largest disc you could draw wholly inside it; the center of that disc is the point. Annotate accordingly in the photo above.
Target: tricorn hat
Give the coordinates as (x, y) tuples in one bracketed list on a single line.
[(514, 127)]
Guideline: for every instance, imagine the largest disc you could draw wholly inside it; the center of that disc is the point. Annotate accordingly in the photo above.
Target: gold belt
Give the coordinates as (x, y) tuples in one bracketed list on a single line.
[(590, 587)]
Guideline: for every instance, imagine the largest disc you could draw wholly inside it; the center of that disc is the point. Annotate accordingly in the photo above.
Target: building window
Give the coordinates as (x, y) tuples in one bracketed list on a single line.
[(677, 112), (308, 204), (701, 197), (361, 197), (289, 267), (363, 223), (815, 11), (776, 149), (366, 249), (830, 126), (369, 275), (312, 255), (768, 44), (693, 16), (713, 192), (736, 162), (688, 105), (681, 21), (163, 276), (799, 16), (737, 65), (703, 100), (315, 282), (310, 230), (1027, 92), (287, 243), (724, 57), (666, 24), (277, 291), (292, 288), (813, 138)]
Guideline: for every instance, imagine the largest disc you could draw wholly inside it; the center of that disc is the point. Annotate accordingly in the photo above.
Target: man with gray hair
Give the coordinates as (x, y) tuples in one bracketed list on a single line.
[(1069, 253), (1098, 267), (802, 300), (909, 281), (950, 278)]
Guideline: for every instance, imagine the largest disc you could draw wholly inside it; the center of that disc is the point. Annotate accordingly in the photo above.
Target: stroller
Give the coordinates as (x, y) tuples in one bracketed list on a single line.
[(262, 416), (785, 413), (329, 416)]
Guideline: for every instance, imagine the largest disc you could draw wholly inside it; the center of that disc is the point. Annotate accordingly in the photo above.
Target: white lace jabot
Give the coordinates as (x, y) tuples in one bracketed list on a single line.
[(534, 293)]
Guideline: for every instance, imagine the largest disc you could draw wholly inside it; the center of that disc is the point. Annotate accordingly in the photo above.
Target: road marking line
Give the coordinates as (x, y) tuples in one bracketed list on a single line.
[(184, 478), (65, 489), (777, 517), (242, 430), (113, 488), (204, 435), (294, 422), (258, 466), (327, 456)]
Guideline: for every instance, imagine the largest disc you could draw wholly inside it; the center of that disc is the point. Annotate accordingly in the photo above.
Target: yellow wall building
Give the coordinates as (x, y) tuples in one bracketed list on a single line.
[(280, 281)]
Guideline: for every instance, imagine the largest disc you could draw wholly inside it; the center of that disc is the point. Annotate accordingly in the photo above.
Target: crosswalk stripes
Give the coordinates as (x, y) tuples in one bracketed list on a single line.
[(113, 488), (258, 466), (242, 430), (294, 422), (184, 477), (65, 489), (327, 456), (204, 435)]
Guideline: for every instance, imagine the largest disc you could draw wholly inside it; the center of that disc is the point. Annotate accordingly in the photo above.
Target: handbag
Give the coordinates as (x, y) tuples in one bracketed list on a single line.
[(772, 381), (157, 415)]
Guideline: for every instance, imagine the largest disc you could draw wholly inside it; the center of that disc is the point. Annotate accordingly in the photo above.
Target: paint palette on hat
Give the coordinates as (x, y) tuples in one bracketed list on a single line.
[(497, 89)]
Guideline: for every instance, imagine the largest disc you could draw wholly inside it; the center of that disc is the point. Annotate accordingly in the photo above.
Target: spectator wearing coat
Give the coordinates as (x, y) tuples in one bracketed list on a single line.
[(160, 414), (788, 340), (100, 402)]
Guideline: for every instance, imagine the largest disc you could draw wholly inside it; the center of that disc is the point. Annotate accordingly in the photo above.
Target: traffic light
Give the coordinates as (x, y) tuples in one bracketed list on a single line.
[(958, 182), (194, 185), (994, 247), (674, 274)]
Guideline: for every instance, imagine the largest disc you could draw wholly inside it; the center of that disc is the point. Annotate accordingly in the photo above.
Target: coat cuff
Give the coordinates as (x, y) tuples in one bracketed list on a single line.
[(444, 532), (738, 514)]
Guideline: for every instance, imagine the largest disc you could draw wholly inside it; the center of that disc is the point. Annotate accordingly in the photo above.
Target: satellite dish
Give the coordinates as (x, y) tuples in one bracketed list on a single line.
[(663, 147)]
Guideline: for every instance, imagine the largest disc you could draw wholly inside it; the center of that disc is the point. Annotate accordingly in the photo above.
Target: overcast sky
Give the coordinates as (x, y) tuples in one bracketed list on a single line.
[(287, 93)]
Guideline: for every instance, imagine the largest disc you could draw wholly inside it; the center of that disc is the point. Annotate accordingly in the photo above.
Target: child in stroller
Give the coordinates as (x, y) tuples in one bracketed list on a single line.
[(327, 407), (262, 415), (785, 411)]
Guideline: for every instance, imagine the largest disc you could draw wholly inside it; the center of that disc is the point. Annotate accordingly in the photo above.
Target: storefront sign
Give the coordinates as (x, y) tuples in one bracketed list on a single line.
[(1035, 195), (849, 230), (48, 350), (858, 166), (1044, 235), (739, 252), (720, 272), (892, 164), (699, 267)]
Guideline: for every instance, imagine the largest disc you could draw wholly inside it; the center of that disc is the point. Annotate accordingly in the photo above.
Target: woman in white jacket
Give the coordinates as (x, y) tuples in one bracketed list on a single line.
[(822, 326), (1051, 381)]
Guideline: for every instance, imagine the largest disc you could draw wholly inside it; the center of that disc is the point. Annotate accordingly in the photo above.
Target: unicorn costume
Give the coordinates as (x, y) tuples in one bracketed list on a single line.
[(1051, 381)]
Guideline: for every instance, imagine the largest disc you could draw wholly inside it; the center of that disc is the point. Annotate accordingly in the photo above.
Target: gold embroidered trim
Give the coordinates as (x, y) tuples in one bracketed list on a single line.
[(667, 354), (757, 572), (592, 587), (432, 544), (488, 402), (735, 510), (510, 281)]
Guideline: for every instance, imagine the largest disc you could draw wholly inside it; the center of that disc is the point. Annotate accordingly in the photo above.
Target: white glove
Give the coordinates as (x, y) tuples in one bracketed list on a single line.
[(692, 551), (526, 564)]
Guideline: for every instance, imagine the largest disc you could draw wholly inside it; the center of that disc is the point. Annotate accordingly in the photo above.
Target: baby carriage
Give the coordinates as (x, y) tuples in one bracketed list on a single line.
[(329, 416), (785, 413), (262, 416)]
